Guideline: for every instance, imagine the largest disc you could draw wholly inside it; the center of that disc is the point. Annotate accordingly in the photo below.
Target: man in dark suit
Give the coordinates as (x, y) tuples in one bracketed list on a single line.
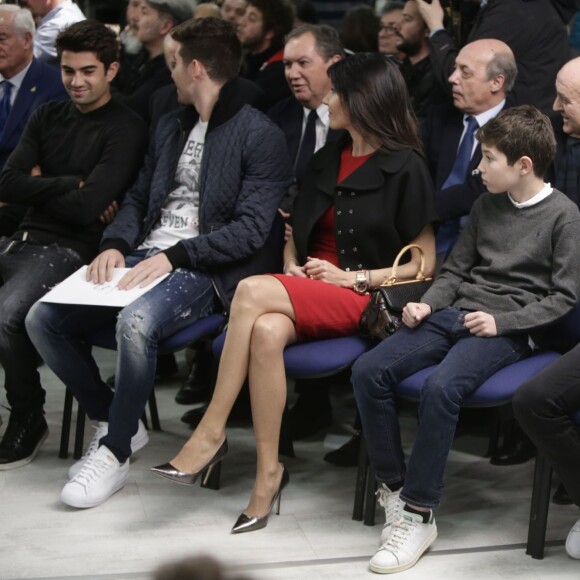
[(26, 84), (303, 117), (535, 30), (485, 71)]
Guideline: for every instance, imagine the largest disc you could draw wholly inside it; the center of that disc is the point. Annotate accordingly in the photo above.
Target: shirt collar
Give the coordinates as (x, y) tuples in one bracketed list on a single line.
[(17, 79), (540, 196), (54, 12), (486, 116), (321, 111)]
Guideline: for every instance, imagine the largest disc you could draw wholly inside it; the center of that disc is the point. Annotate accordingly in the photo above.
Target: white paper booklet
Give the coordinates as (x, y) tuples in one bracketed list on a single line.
[(76, 290)]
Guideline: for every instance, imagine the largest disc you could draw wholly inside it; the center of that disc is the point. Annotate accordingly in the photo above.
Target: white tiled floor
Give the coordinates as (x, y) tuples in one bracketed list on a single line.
[(482, 521)]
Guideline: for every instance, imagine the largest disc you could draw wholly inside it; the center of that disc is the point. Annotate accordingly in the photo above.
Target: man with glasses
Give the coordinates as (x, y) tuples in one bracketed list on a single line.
[(387, 32)]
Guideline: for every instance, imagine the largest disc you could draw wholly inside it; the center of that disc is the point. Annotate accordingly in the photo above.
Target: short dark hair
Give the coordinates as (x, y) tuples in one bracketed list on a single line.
[(89, 36), (306, 12), (378, 103), (521, 131), (360, 29), (327, 39), (392, 6), (214, 43), (277, 16)]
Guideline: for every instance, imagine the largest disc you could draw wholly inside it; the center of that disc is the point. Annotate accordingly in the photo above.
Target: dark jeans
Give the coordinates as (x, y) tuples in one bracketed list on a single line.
[(27, 272), (544, 406), (464, 363), (57, 330)]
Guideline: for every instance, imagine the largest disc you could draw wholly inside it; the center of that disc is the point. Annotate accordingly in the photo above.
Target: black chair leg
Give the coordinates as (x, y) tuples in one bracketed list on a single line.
[(66, 422), (361, 481), (155, 424), (370, 503), (495, 430), (212, 480), (79, 434), (285, 445), (539, 508)]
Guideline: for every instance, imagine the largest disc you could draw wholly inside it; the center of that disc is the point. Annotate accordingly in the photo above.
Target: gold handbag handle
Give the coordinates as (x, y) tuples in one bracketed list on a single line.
[(420, 274)]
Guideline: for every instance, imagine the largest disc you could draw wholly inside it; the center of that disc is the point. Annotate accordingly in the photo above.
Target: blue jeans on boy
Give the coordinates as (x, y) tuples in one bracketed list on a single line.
[(464, 363), (57, 330), (27, 272)]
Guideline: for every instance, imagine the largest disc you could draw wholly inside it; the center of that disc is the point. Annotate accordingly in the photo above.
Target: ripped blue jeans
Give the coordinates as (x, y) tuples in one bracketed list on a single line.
[(57, 331)]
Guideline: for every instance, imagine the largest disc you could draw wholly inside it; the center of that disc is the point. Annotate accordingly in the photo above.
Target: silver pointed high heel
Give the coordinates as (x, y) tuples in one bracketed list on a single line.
[(247, 523), (169, 472)]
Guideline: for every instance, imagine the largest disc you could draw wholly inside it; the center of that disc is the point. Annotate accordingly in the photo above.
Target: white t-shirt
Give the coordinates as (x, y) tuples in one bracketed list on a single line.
[(179, 218)]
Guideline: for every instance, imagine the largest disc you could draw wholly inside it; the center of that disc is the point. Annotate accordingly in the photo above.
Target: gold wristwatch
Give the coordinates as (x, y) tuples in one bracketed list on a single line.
[(361, 283)]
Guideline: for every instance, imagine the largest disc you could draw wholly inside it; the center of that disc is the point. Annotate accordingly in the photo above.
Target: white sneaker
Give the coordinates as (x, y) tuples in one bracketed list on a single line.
[(573, 542), (101, 475), (392, 504), (138, 441), (408, 538)]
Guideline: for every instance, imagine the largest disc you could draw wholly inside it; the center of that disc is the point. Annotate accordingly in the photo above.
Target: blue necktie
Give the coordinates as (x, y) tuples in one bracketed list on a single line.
[(462, 160), (5, 104), (449, 230)]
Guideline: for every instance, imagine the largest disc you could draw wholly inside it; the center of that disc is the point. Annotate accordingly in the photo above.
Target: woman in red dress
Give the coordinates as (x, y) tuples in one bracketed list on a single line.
[(363, 199)]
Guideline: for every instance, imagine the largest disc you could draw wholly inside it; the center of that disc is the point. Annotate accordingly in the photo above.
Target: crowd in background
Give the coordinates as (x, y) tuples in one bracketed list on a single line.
[(350, 130)]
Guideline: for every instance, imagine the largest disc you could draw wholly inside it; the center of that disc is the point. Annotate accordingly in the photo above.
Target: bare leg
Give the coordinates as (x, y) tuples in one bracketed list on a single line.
[(272, 333), (254, 297)]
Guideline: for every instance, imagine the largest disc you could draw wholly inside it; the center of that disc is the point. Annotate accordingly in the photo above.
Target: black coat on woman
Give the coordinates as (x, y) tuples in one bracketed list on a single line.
[(379, 208)]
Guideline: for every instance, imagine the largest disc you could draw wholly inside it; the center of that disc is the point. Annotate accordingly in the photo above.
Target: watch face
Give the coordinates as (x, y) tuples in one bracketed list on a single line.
[(361, 283)]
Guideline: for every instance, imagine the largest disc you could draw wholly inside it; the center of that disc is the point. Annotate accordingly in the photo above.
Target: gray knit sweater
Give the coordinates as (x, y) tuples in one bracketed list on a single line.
[(521, 265)]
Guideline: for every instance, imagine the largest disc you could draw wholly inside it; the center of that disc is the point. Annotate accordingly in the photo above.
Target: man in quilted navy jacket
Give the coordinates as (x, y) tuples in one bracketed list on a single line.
[(201, 211)]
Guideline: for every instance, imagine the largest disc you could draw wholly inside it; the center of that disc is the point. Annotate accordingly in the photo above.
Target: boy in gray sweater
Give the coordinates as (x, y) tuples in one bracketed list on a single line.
[(514, 270)]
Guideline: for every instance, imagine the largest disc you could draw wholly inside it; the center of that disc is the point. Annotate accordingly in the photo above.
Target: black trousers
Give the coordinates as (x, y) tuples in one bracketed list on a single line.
[(544, 406)]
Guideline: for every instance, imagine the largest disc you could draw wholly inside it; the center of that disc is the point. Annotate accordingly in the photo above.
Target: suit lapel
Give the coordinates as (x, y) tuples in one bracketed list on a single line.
[(449, 145), (24, 99), (293, 129)]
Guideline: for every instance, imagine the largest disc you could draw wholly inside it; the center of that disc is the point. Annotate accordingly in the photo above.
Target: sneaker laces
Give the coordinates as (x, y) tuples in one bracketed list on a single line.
[(92, 471), (400, 531), (101, 429), (389, 501)]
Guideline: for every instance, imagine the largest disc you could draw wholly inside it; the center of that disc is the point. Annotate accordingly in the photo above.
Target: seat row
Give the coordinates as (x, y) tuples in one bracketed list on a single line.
[(330, 356)]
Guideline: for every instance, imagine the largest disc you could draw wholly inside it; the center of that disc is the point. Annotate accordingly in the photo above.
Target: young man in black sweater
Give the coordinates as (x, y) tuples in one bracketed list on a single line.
[(73, 161)]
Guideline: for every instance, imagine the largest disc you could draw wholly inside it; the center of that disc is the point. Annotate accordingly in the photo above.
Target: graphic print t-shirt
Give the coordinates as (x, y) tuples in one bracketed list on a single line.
[(179, 218)]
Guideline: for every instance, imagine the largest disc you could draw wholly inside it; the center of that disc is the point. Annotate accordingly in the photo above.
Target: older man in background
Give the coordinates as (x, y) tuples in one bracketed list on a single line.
[(52, 17), (485, 72), (149, 72)]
